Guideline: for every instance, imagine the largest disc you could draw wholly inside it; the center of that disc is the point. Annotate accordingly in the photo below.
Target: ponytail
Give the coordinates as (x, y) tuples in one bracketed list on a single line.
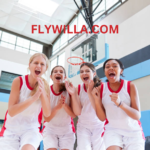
[(97, 81)]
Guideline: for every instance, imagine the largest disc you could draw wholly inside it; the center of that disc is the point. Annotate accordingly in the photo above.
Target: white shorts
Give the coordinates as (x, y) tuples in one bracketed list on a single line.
[(89, 139), (65, 141), (126, 143), (13, 141)]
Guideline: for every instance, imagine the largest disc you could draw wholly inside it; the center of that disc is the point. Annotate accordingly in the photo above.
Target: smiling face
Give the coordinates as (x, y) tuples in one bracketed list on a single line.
[(38, 66), (86, 74), (58, 75), (113, 71)]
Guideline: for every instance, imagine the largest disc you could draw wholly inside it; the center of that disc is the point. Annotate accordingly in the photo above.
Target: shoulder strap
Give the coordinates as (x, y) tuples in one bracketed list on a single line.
[(128, 87), (101, 91), (79, 88), (21, 82)]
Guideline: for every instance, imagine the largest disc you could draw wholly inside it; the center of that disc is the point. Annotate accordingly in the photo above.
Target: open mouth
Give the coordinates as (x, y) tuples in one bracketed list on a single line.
[(112, 75), (37, 72), (86, 78), (58, 78)]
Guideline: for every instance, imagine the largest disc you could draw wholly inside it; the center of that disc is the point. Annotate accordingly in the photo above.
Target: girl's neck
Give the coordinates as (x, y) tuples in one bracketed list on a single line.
[(56, 88), (115, 86), (32, 81), (86, 86)]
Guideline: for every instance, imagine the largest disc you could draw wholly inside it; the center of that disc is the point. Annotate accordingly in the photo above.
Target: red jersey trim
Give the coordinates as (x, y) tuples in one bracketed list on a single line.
[(128, 87), (121, 85), (54, 92), (101, 91), (27, 83), (73, 127), (21, 82), (84, 88), (101, 96), (4, 128), (79, 89), (141, 129), (40, 119)]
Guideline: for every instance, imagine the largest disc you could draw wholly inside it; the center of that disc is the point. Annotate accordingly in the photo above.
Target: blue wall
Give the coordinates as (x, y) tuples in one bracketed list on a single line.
[(137, 71), (4, 97), (145, 120)]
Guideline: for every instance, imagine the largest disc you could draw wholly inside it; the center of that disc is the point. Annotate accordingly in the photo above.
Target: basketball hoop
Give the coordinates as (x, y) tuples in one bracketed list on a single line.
[(74, 64)]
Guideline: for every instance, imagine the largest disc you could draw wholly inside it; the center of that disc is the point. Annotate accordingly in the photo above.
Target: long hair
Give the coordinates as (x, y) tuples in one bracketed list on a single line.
[(97, 81)]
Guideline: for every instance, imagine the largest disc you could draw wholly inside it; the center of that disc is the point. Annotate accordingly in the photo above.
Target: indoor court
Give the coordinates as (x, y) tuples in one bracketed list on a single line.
[(28, 27)]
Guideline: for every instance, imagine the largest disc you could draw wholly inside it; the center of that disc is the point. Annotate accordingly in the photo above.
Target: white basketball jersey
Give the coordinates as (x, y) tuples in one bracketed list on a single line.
[(61, 123), (118, 120), (27, 119), (88, 117)]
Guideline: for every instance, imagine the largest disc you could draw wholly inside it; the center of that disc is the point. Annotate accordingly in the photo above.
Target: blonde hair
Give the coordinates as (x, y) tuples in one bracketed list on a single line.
[(46, 85), (39, 54)]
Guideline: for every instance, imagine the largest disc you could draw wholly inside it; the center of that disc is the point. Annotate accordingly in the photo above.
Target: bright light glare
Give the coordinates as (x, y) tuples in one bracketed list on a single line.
[(44, 6)]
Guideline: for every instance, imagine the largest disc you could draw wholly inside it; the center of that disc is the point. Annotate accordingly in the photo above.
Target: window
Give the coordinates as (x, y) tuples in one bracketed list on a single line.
[(7, 45), (56, 46), (61, 59), (35, 47), (8, 38), (1, 123), (90, 49), (110, 3), (7, 79), (81, 22), (100, 10), (63, 40), (22, 45), (71, 28), (19, 44), (23, 42)]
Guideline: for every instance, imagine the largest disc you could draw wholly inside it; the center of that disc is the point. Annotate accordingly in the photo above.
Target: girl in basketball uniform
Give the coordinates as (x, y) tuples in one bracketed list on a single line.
[(28, 95), (89, 128), (119, 103), (59, 127)]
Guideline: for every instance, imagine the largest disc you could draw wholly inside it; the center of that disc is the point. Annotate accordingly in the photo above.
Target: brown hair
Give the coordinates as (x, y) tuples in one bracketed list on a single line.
[(62, 85), (97, 81), (46, 85)]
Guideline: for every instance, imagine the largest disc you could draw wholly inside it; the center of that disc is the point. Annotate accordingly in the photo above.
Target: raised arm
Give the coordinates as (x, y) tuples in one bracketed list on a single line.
[(14, 107), (132, 111), (100, 111), (75, 101), (89, 92), (55, 109), (45, 99), (68, 109)]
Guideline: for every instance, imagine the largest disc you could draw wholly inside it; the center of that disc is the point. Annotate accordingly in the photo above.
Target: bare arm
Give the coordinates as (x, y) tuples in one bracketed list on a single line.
[(53, 113), (14, 107), (89, 92), (45, 99), (55, 110), (68, 109), (100, 111), (132, 111), (75, 101)]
